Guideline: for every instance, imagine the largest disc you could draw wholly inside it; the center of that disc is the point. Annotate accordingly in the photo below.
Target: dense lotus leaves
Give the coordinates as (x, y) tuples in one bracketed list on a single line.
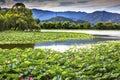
[(100, 62), (15, 37)]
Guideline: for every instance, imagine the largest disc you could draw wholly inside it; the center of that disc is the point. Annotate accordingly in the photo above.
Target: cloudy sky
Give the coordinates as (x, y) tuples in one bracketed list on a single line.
[(68, 5)]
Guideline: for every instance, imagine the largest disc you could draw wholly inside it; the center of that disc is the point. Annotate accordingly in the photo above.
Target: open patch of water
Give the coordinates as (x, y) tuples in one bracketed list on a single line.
[(65, 45)]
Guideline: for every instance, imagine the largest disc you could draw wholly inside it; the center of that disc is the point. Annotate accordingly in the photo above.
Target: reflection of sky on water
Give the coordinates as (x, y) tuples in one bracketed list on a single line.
[(65, 45)]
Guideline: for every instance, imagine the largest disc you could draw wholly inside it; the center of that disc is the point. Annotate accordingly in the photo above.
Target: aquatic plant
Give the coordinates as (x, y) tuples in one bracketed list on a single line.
[(100, 62), (19, 37)]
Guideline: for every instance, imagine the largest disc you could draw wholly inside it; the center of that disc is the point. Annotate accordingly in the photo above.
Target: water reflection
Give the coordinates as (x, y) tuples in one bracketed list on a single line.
[(11, 46), (62, 45), (65, 45)]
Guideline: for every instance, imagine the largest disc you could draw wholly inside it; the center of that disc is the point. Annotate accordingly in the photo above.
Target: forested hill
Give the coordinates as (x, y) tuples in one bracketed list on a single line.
[(63, 19), (97, 16)]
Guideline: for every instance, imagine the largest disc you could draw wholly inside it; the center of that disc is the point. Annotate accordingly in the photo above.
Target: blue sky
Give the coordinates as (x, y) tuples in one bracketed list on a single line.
[(68, 5)]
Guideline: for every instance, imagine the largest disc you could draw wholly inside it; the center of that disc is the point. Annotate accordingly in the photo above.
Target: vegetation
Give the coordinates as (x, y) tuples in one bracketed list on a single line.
[(96, 63), (20, 18), (107, 26), (63, 19), (64, 25), (86, 25), (8, 37), (17, 18)]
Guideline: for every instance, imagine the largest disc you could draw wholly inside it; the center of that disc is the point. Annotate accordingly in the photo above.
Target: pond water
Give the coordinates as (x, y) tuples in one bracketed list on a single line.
[(65, 45)]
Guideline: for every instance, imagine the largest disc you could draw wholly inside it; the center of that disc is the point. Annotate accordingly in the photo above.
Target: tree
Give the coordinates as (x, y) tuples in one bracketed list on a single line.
[(20, 18), (18, 5), (86, 25), (108, 25), (72, 26), (44, 25), (37, 21), (99, 25), (116, 26), (80, 26), (2, 23), (51, 25), (65, 25), (58, 25), (21, 24)]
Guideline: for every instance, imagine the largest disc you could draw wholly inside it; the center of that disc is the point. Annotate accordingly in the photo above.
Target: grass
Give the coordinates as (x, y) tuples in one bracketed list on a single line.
[(101, 62), (15, 37)]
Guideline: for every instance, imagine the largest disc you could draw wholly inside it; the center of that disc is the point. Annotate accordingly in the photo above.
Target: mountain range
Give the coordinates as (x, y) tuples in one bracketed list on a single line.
[(94, 17), (62, 19), (72, 16)]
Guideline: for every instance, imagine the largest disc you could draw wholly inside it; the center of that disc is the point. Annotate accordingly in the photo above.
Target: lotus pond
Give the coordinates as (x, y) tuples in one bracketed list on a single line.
[(101, 62), (19, 37)]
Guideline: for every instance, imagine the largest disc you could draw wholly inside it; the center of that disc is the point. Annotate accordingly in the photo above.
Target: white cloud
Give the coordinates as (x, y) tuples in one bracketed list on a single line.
[(71, 5)]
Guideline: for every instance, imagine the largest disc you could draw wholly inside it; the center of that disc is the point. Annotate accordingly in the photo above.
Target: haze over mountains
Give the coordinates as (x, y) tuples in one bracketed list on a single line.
[(97, 16), (77, 17), (63, 19)]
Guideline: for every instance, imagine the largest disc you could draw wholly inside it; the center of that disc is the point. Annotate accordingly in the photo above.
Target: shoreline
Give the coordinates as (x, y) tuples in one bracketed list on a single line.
[(92, 32)]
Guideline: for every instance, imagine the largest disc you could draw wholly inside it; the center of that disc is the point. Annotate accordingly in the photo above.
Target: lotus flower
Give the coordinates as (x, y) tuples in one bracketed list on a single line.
[(6, 61), (30, 78), (20, 78), (72, 59)]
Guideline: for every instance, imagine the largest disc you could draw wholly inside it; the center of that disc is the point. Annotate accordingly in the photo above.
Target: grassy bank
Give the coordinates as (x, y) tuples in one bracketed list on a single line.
[(101, 62), (33, 37)]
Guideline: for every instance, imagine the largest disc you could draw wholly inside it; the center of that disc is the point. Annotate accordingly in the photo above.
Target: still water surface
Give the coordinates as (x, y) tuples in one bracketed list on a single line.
[(63, 45)]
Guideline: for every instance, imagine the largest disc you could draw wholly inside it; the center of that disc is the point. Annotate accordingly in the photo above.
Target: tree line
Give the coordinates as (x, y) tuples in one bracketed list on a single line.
[(64, 25), (86, 25), (21, 18), (17, 18)]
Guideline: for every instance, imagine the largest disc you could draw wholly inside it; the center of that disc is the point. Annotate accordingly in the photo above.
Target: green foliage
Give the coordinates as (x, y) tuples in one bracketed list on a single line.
[(64, 25), (18, 18), (32, 37), (96, 63), (99, 25), (86, 25), (106, 25), (1, 22)]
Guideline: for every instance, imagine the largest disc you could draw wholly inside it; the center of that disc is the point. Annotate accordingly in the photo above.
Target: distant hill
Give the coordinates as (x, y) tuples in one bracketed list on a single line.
[(4, 8), (102, 16), (97, 16), (72, 16), (45, 15), (62, 19)]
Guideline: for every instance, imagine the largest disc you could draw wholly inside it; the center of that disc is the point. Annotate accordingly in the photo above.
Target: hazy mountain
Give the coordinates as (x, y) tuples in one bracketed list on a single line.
[(45, 15), (97, 16), (102, 16), (62, 19), (94, 17), (4, 8)]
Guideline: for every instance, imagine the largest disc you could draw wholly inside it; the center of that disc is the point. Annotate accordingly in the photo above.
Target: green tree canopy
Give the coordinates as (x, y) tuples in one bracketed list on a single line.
[(18, 5), (19, 18)]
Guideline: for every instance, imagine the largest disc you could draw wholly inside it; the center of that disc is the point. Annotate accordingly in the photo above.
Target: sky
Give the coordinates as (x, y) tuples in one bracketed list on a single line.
[(67, 5)]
